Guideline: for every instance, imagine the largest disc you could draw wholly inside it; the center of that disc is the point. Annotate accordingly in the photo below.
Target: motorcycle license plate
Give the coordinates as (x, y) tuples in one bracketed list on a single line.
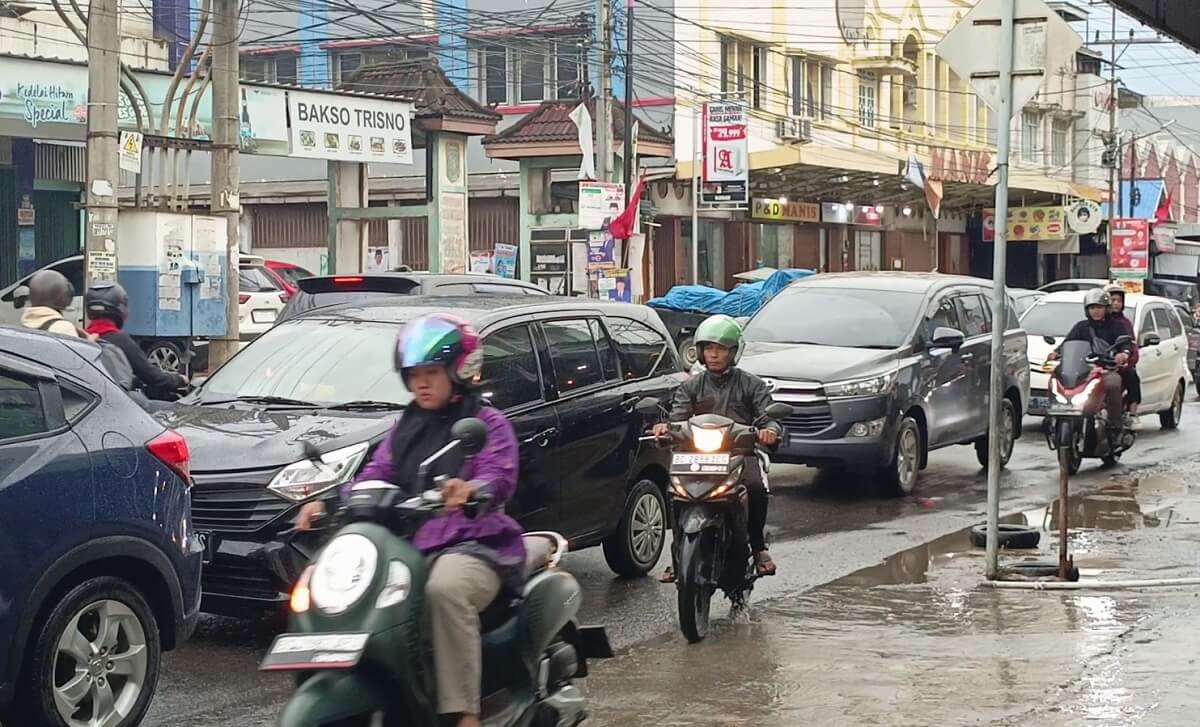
[(310, 652), (689, 463), (1039, 403)]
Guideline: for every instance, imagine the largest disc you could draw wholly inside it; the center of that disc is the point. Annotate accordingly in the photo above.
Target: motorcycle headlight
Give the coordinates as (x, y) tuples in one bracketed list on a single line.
[(708, 440), (306, 478), (861, 387), (343, 573), (398, 586)]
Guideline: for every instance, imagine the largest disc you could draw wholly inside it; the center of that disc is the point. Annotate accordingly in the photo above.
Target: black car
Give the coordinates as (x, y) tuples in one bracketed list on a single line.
[(882, 368), (327, 290), (568, 373)]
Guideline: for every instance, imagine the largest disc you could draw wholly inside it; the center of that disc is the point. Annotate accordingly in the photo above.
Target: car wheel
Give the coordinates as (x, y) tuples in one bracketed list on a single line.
[(1008, 436), (1170, 418), (900, 476), (636, 545), (1011, 537), (96, 659), (689, 353), (167, 355)]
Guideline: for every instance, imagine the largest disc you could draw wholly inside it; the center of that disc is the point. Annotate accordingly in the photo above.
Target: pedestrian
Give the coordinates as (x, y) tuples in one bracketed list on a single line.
[(50, 293)]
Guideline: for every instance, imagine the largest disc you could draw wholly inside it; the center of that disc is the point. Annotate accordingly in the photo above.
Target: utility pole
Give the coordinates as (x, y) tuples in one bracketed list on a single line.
[(630, 162), (603, 117), (1114, 146), (103, 168), (225, 170)]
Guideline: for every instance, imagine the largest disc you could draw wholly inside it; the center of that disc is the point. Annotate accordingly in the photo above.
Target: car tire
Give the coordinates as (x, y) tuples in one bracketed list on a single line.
[(633, 549), (71, 663), (1012, 537), (899, 477), (688, 353), (1170, 418), (1008, 426), (1038, 569), (167, 355)]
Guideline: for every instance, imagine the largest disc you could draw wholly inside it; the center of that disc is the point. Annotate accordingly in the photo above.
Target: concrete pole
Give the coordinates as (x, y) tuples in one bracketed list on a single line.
[(103, 169), (225, 170), (603, 117), (1003, 116), (630, 162), (697, 108)]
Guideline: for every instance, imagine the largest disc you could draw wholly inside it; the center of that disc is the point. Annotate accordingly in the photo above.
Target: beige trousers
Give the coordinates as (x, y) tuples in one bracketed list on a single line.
[(459, 588)]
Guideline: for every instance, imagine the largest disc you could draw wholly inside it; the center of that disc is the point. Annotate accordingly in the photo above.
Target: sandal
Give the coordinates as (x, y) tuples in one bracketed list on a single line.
[(668, 576), (763, 565)]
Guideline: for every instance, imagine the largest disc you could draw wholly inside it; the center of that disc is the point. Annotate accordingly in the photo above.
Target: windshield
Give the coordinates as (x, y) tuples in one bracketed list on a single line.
[(255, 280), (293, 275), (837, 317), (1074, 367), (312, 360), (1056, 319)]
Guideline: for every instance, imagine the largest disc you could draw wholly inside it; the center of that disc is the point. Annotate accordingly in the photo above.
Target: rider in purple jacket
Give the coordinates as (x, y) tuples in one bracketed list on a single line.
[(440, 358)]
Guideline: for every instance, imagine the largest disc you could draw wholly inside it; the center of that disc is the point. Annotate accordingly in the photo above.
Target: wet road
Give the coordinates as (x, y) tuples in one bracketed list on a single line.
[(822, 530)]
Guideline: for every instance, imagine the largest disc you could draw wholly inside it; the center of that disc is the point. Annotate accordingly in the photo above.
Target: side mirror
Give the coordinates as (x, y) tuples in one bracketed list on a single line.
[(471, 435), (648, 407), (779, 410), (20, 296), (1050, 340), (944, 337), (1148, 340)]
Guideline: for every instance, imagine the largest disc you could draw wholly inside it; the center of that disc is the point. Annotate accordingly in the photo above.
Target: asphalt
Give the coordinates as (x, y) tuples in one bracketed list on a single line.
[(822, 529)]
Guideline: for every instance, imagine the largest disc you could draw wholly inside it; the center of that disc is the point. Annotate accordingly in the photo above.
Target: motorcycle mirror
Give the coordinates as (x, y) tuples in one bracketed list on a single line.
[(471, 434), (1122, 340), (648, 407), (779, 410)]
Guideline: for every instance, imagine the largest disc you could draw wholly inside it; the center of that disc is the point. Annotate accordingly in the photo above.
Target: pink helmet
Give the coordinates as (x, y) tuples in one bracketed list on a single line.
[(443, 339)]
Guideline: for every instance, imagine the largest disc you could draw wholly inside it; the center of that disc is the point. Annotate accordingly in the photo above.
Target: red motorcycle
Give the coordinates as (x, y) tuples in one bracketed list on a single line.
[(1077, 425)]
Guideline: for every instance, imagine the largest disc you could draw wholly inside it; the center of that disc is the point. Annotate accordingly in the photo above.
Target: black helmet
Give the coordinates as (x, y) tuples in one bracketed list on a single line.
[(51, 289), (107, 300)]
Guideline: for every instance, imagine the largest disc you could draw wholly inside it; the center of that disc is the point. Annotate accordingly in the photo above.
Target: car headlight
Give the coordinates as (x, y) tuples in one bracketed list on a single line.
[(708, 440), (306, 478), (343, 573), (861, 387)]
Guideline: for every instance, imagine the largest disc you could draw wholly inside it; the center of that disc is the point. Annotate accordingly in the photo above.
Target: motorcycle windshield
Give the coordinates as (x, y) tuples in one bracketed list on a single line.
[(1074, 367)]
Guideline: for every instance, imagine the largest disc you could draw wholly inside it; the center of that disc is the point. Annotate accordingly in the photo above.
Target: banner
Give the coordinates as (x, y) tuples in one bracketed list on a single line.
[(481, 261), (1028, 224), (351, 129), (599, 202), (1164, 238), (264, 127), (614, 284), (504, 258), (601, 251), (773, 210), (1129, 244), (726, 149)]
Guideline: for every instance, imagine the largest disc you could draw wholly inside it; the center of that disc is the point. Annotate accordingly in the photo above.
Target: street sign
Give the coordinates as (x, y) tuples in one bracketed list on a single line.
[(1043, 44)]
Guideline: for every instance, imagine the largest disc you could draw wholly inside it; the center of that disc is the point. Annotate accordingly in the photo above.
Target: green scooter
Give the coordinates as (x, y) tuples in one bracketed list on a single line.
[(359, 635)]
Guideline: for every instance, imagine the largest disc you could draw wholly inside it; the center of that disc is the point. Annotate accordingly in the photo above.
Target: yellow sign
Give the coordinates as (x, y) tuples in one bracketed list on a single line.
[(1028, 224), (1136, 287), (775, 210)]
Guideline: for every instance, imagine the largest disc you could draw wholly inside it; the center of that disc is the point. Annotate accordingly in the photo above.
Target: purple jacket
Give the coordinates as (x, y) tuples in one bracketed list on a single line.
[(495, 468)]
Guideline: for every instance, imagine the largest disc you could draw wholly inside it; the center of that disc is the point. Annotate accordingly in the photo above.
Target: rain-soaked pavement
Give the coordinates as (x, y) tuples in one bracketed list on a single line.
[(875, 618)]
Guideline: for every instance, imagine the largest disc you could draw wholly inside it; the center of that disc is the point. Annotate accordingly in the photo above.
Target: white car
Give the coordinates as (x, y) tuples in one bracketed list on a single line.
[(11, 303), (1160, 334), (1073, 284), (259, 299)]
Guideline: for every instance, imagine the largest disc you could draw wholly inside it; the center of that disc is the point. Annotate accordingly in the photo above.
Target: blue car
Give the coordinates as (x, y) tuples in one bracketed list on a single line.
[(99, 568)]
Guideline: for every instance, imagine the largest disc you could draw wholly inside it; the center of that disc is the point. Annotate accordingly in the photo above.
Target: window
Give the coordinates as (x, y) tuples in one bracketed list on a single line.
[(75, 402), (255, 280), (22, 412), (758, 75), (826, 92), (959, 128), (812, 87), (285, 69), (532, 71), (573, 351), (608, 353), (1030, 126), (510, 369), (869, 248), (345, 64), (644, 350), (728, 64), (495, 75), (255, 69), (72, 270), (1173, 321), (743, 65), (974, 315), (983, 130), (568, 72), (532, 75), (1060, 143), (868, 91), (850, 318), (1162, 322), (945, 316), (801, 94)]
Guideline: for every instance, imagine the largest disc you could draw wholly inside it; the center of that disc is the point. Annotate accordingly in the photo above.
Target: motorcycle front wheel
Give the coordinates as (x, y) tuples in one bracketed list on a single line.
[(694, 598), (1070, 446)]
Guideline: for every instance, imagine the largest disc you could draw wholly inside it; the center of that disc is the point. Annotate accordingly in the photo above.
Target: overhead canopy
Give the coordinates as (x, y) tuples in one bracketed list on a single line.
[(1179, 19)]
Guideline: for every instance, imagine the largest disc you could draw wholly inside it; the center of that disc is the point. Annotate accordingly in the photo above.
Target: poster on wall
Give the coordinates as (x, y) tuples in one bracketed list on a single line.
[(614, 284), (599, 203), (726, 148), (379, 259), (601, 251), (504, 258), (452, 232), (1130, 247), (481, 261), (350, 128)]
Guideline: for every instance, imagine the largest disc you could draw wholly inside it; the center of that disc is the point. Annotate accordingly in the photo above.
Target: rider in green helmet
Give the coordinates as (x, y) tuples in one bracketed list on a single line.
[(731, 392)]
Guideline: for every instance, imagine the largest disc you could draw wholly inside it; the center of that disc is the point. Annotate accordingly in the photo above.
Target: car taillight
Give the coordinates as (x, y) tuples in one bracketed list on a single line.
[(171, 449), (243, 298), (348, 280)]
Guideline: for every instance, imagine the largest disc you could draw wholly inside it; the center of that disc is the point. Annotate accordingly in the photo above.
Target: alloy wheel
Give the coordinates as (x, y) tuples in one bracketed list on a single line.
[(165, 358), (646, 531), (908, 457), (101, 665)]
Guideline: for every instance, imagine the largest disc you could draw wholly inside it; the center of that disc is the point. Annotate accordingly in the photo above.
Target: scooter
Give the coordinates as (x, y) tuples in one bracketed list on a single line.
[(709, 503), (359, 636), (1077, 425)]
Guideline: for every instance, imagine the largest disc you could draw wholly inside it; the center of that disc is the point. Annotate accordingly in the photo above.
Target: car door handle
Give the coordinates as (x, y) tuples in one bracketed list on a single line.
[(630, 404), (542, 438), (967, 358)]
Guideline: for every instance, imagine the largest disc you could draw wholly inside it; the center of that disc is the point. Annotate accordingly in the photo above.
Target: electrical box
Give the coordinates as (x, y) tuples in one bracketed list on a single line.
[(173, 267)]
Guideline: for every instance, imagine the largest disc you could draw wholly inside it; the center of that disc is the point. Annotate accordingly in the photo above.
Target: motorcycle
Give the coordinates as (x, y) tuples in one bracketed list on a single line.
[(1077, 425), (359, 636), (709, 503)]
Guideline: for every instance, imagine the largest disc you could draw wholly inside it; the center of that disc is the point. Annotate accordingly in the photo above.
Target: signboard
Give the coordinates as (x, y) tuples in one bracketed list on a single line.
[(961, 165), (1164, 238), (839, 214), (1129, 247), (726, 140), (129, 152), (776, 211), (264, 127), (351, 129), (601, 251), (379, 259), (1136, 287), (613, 284), (504, 258), (1083, 217), (1028, 224), (599, 203)]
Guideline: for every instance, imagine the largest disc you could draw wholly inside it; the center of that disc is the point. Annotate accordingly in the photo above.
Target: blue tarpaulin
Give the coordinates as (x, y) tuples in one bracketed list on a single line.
[(1139, 200), (744, 300)]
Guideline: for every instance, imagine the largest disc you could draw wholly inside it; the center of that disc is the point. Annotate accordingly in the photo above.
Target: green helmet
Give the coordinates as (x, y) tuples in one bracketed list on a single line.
[(721, 330)]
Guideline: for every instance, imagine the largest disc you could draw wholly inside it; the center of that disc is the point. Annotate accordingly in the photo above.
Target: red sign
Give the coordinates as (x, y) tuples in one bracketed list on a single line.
[(961, 165), (1130, 245)]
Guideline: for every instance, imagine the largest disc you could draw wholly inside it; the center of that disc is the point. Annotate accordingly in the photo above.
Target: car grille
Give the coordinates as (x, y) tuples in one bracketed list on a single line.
[(808, 418), (235, 507), (242, 577)]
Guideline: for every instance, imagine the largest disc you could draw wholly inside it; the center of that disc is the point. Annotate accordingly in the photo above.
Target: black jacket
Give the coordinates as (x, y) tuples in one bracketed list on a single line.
[(155, 382), (1102, 334), (737, 394)]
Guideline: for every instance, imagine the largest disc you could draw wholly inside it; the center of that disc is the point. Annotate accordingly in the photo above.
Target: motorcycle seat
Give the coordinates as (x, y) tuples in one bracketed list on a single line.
[(538, 551)]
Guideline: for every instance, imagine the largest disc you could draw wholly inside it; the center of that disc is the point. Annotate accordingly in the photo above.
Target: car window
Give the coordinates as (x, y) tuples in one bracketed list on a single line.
[(643, 348), (573, 351), (75, 402), (293, 275), (499, 289), (1162, 325), (973, 314), (255, 280), (510, 368), (455, 289), (73, 270), (22, 412), (944, 316), (608, 352), (1173, 322)]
